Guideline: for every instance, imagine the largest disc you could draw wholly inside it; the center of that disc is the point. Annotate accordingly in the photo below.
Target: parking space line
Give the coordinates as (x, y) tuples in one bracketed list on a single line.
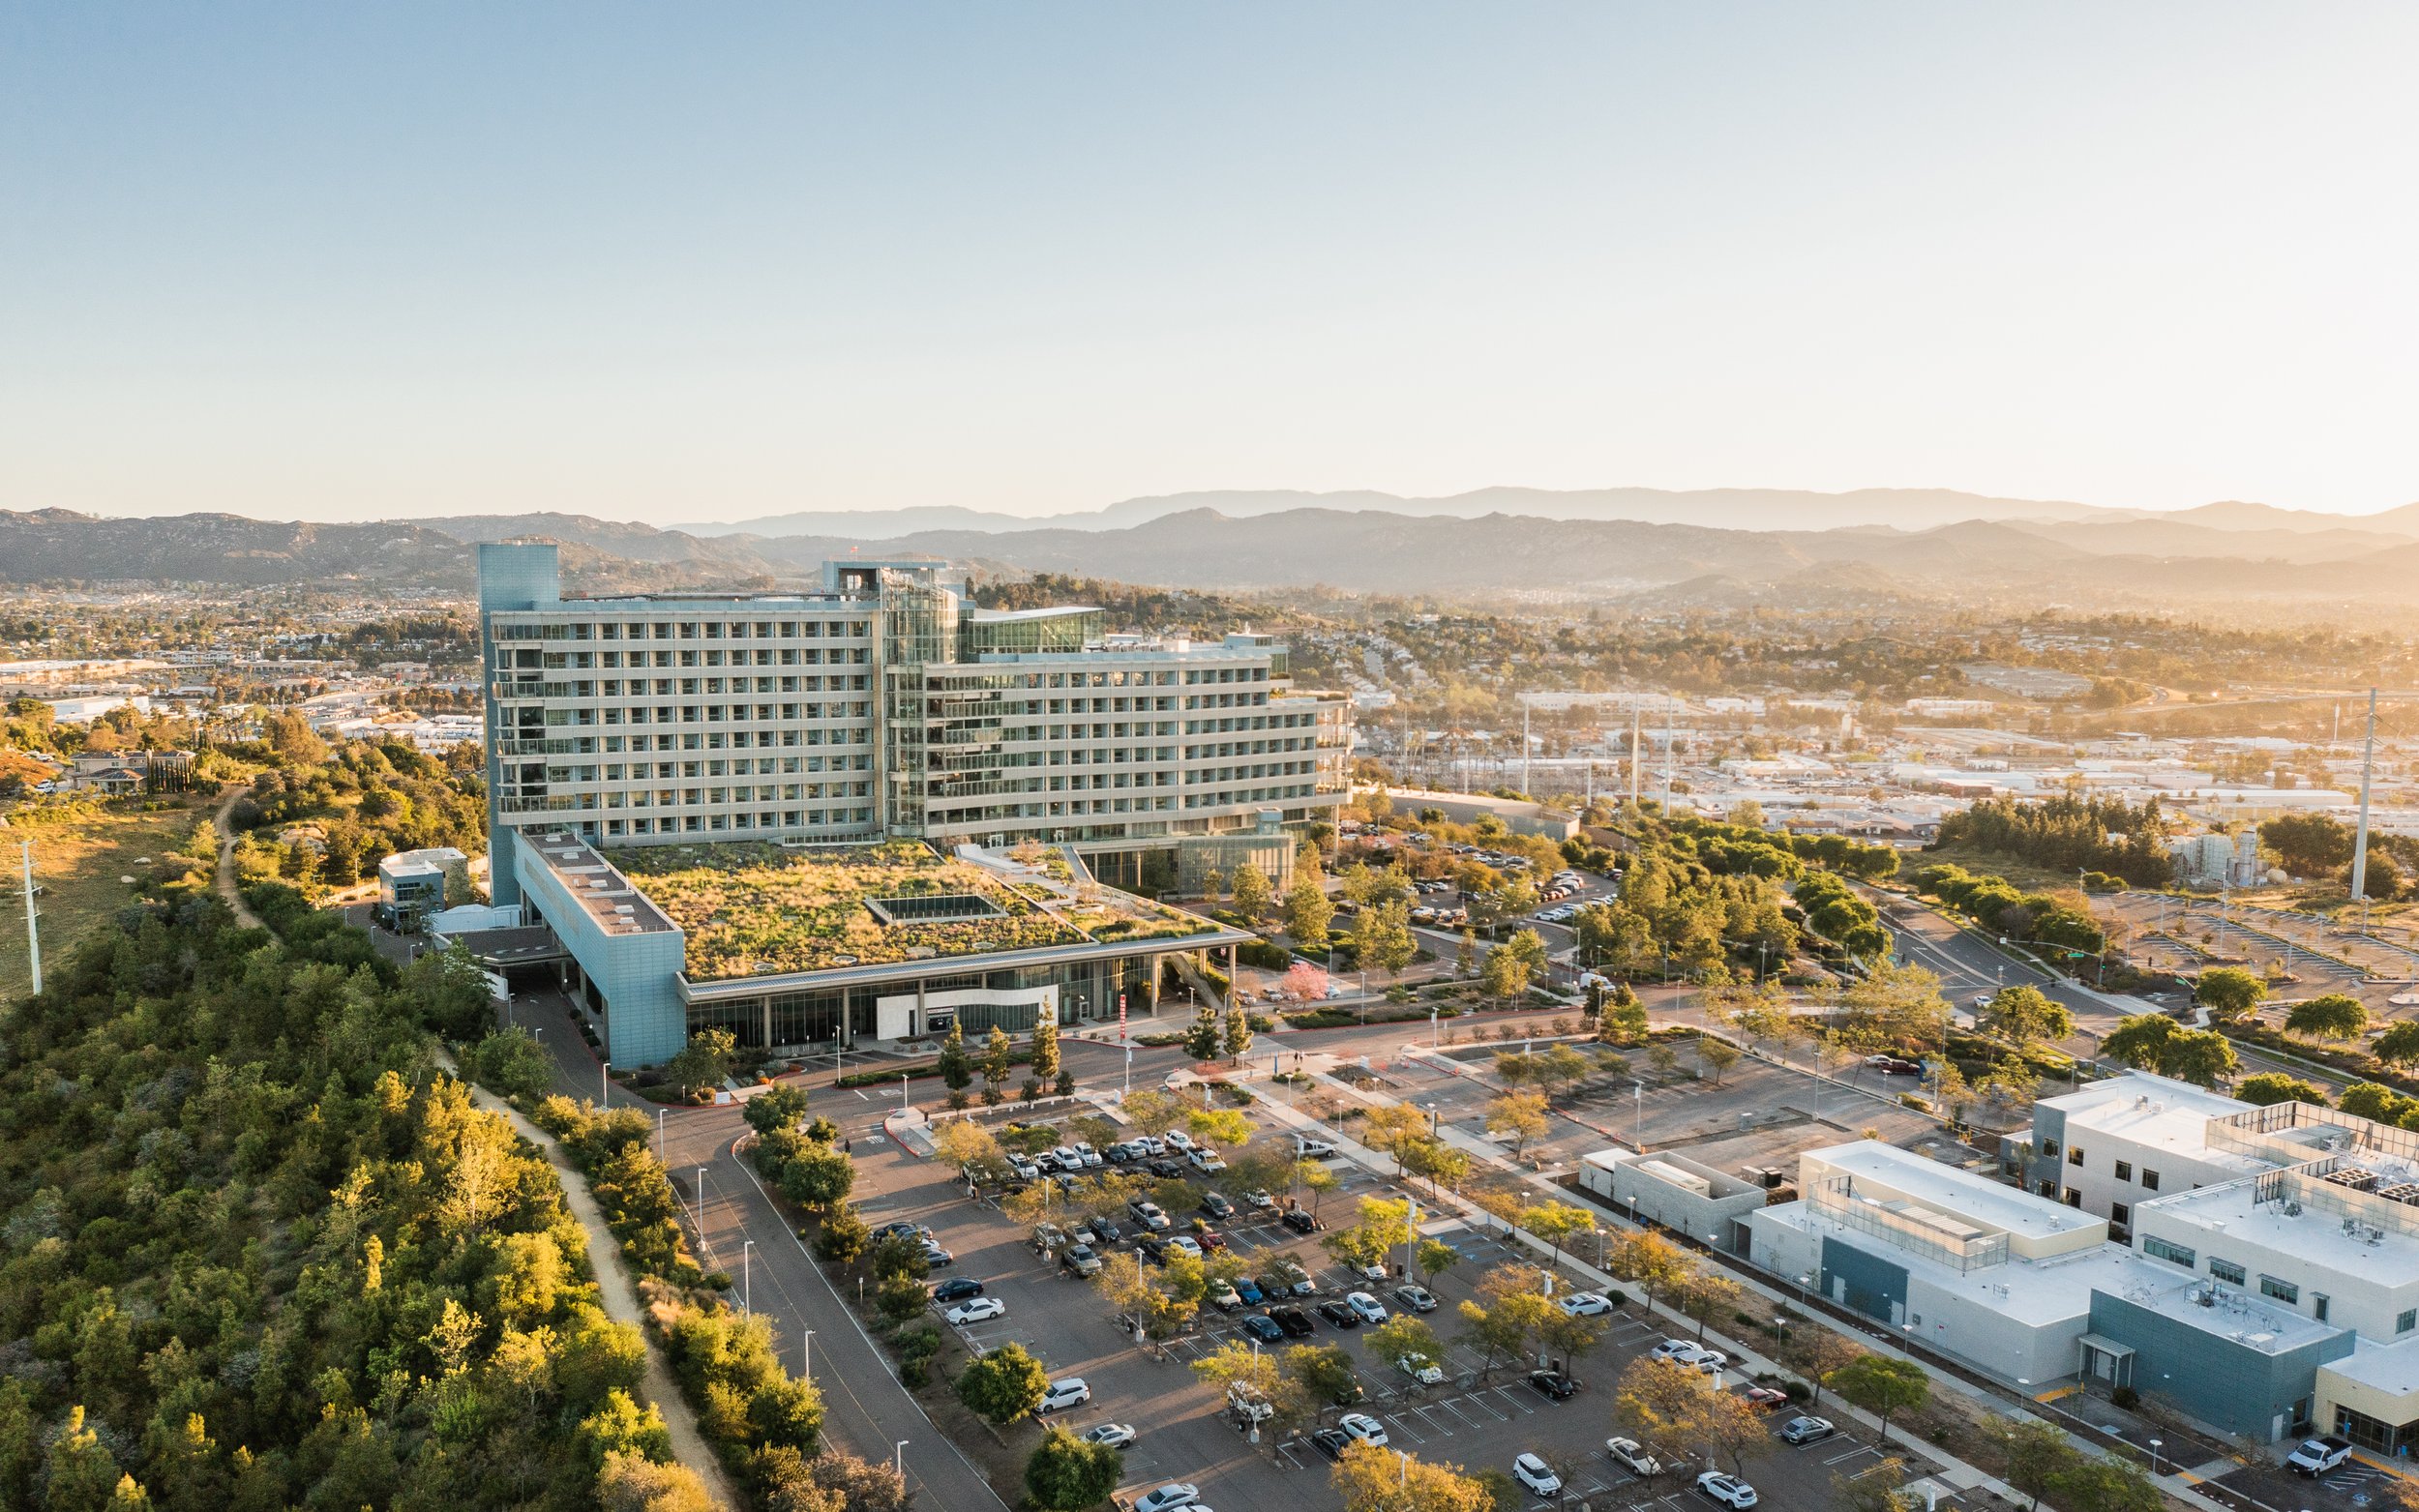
[(1427, 1416), (1402, 1425), (1520, 1401)]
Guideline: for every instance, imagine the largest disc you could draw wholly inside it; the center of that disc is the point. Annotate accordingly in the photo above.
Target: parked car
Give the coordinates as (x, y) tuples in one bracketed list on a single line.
[(1420, 1299), (1711, 1362), (1090, 1156), (1116, 1436), (1082, 1260), (975, 1311), (1421, 1368), (1216, 1205), (1894, 1066), (1337, 1312), (1106, 1232), (1308, 1148), (1224, 1297), (1632, 1456), (1186, 1245), (1063, 1394), (1295, 1323), (2318, 1456), (1806, 1429), (1207, 1161), (887, 1230), (1332, 1442), (1259, 1201), (1554, 1383), (1165, 1168), (1729, 1490), (957, 1289), (1149, 1215), (1151, 1143), (1177, 1139), (1764, 1399), (1585, 1304), (1536, 1478), (1153, 1247), (1366, 1306), (1249, 1290), (1302, 1221), (1676, 1350), (935, 1256), (1265, 1329), (1363, 1427), (1288, 1281), (1168, 1498)]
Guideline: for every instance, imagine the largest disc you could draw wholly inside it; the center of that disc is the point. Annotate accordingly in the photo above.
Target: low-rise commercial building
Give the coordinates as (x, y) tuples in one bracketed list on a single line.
[(1708, 1205), (2116, 1144)]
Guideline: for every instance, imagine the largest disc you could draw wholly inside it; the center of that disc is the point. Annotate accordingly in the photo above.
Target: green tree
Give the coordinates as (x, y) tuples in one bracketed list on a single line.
[(2229, 991), (818, 1179), (998, 1059), (2275, 1087), (1066, 1473), (2035, 1453), (957, 1069), (781, 1106), (1323, 1372), (842, 1236), (1381, 937), (2398, 1045), (1003, 1384), (1434, 1257), (2094, 1485), (1716, 1055), (1203, 1039), (1518, 1117), (1238, 1032), (704, 1062), (1882, 1385), (1308, 915), (1466, 954), (2333, 1016), (2028, 1016), (1556, 1223), (1045, 1047), (1251, 891), (2308, 845)]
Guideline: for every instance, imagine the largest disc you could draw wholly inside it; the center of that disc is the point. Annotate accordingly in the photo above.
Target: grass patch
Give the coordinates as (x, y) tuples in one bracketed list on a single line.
[(78, 863), (2024, 874)]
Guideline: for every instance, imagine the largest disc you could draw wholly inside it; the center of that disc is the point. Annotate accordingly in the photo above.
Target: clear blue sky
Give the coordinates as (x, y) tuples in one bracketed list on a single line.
[(692, 263)]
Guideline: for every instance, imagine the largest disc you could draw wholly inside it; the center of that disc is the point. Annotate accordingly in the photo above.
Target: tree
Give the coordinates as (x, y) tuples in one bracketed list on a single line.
[(1003, 1385), (1682, 1412), (1238, 1033), (1623, 1021), (2036, 1453), (704, 1062), (1229, 1128), (1392, 1129), (2155, 1042), (1438, 1164), (1716, 1055), (1309, 914), (2333, 1016), (2398, 1045), (1066, 1473), (1323, 1372), (957, 1070), (998, 1059), (1558, 1068), (1251, 891), (1303, 983), (1372, 1479), (1514, 966), (843, 1237), (1466, 954), (629, 1483), (2382, 879), (1045, 1046), (2275, 1087), (1201, 1040), (1518, 1117), (971, 1147), (1556, 1223), (818, 1179), (2095, 1485), (2229, 991), (2027, 1016), (2378, 1103), (1882, 1384), (2308, 845), (1382, 1225), (1705, 1297), (1434, 1257), (781, 1106), (1381, 937), (1153, 1111), (1650, 1262), (1404, 1334)]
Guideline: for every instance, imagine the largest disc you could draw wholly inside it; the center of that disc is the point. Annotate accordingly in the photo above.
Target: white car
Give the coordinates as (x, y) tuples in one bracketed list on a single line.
[(1371, 1272), (1676, 1350), (1116, 1436), (1585, 1304), (1421, 1368), (1223, 1296), (1632, 1456), (1729, 1490), (1806, 1429), (1168, 1498), (1259, 1201), (1178, 1140), (1186, 1245), (1364, 1428), (975, 1310), (1063, 1394), (1366, 1307), (1531, 1472), (1207, 1161), (2318, 1456), (1713, 1362), (1305, 1148), (1065, 1158), (1152, 1144)]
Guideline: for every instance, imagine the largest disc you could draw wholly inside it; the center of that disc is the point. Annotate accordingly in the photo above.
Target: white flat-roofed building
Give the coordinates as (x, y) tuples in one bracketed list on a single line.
[(2117, 1143)]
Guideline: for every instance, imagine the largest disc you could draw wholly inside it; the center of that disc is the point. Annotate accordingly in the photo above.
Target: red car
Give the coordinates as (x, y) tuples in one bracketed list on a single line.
[(1211, 1239), (1764, 1399)]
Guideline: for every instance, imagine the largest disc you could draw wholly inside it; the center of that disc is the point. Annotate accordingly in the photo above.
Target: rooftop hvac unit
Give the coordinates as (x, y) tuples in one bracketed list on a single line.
[(2292, 1208)]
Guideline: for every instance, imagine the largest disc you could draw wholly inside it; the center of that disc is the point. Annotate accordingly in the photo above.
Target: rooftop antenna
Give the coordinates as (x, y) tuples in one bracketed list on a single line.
[(33, 929), (2360, 839)]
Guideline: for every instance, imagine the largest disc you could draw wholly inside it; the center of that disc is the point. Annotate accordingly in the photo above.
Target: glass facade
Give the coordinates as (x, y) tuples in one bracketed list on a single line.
[(786, 1021)]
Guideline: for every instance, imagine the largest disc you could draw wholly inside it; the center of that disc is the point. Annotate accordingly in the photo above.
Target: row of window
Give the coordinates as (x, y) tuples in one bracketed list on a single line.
[(2124, 1168), (690, 629), (2274, 1288), (855, 819)]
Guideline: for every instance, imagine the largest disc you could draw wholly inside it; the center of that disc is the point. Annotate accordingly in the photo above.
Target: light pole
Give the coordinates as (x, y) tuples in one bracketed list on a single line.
[(898, 1459), (700, 1204), (2153, 1456), (1638, 1129), (903, 1091), (603, 1082), (659, 1136), (806, 1345), (747, 1277)]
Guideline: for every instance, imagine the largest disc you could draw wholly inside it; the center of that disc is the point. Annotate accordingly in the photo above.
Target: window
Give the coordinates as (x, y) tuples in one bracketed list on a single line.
[(2318, 1306), (2282, 1291), (2049, 1147), (2160, 1249), (2228, 1271), (2074, 1199), (2125, 1171), (2119, 1214), (2049, 1189), (2150, 1179), (2407, 1320), (2074, 1154)]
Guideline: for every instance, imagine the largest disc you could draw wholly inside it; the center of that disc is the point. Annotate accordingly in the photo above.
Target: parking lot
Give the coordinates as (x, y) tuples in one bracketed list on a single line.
[(1470, 1418)]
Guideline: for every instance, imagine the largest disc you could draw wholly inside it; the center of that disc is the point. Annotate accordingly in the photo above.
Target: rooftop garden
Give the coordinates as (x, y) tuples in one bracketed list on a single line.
[(757, 909)]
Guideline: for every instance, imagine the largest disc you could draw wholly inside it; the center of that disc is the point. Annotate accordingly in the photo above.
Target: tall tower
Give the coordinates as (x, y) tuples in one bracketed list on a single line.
[(513, 575)]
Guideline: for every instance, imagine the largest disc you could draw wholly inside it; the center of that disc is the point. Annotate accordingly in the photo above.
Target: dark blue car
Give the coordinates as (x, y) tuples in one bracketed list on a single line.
[(1263, 1329), (1249, 1289)]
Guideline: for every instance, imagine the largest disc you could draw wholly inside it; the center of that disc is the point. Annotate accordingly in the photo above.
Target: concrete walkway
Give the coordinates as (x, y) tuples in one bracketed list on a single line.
[(227, 862)]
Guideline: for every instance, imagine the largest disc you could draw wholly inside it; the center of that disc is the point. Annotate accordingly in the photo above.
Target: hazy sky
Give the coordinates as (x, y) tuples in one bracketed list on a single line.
[(683, 263)]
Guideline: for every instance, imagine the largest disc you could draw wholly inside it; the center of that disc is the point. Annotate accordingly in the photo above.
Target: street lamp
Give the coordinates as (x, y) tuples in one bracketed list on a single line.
[(603, 1082), (700, 1204), (747, 1277), (898, 1459), (2153, 1456), (1638, 1132), (807, 1344)]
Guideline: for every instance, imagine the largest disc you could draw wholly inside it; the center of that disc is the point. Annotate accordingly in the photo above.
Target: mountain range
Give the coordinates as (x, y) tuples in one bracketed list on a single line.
[(1713, 546)]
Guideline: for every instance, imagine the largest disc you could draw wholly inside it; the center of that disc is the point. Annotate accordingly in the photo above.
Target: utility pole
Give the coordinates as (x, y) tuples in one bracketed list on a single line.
[(1524, 748), (2360, 839), (1637, 751), (33, 930), (1668, 717)]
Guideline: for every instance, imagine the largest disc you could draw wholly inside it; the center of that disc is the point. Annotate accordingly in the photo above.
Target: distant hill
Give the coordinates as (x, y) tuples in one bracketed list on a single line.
[(61, 546)]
